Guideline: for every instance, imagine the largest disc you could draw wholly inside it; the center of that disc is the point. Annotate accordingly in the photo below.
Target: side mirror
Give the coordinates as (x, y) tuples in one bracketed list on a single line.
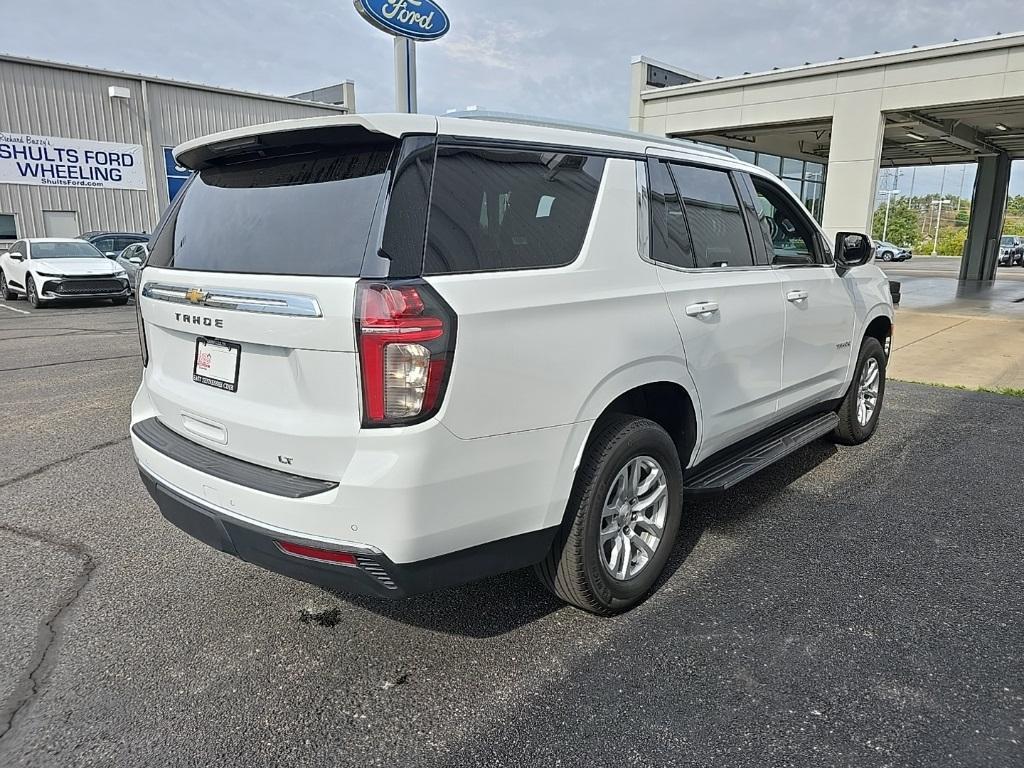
[(136, 260), (110, 255), (15, 256), (853, 249)]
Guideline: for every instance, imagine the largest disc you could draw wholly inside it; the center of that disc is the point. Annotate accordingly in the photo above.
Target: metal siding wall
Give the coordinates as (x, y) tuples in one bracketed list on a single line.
[(52, 101), (179, 114), (56, 102)]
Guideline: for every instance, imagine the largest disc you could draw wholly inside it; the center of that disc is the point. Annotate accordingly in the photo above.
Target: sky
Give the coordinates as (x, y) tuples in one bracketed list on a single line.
[(565, 60)]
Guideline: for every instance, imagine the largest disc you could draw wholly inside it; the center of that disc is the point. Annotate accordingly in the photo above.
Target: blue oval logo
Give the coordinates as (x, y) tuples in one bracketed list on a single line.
[(415, 19)]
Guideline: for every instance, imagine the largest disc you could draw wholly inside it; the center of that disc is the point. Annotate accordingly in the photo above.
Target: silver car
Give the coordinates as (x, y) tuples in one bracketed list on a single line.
[(131, 260)]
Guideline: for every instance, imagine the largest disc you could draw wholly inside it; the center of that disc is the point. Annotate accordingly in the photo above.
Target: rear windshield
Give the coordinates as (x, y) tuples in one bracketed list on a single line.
[(302, 215)]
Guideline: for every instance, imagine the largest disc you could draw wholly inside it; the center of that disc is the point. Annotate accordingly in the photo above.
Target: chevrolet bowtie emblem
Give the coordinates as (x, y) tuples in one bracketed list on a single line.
[(195, 296)]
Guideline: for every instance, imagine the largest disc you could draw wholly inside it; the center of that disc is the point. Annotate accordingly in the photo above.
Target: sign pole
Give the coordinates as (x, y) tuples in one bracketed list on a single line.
[(405, 75)]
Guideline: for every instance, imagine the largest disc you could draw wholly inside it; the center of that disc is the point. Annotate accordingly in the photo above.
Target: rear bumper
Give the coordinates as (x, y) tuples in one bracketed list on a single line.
[(374, 574)]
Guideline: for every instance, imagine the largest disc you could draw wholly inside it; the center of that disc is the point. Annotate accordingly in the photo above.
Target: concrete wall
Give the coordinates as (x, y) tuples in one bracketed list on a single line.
[(74, 103), (853, 94)]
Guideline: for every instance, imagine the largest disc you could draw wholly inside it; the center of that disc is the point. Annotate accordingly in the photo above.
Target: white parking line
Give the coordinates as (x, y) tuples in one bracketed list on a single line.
[(19, 311)]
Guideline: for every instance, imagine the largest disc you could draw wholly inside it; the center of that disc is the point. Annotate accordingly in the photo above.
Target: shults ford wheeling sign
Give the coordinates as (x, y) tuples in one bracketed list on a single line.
[(48, 161), (415, 19)]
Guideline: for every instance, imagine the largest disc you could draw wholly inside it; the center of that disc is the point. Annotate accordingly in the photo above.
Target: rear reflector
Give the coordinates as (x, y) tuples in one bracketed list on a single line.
[(315, 553)]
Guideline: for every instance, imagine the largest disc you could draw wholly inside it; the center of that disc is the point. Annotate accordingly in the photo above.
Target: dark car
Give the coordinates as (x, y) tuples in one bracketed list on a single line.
[(110, 244), (1011, 251)]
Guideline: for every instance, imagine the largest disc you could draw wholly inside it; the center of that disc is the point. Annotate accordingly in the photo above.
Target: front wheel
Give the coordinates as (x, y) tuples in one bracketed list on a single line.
[(621, 520), (33, 294), (5, 289), (120, 301), (859, 411), (887, 256)]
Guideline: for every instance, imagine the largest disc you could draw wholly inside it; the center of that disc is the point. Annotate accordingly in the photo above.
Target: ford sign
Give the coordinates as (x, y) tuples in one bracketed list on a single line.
[(415, 19)]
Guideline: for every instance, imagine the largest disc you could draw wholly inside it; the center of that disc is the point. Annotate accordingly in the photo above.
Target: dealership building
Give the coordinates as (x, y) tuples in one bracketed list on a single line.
[(86, 149), (828, 128)]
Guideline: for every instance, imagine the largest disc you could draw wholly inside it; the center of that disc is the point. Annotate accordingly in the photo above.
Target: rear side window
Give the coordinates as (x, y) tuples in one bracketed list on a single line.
[(505, 209), (306, 214), (670, 242), (714, 217)]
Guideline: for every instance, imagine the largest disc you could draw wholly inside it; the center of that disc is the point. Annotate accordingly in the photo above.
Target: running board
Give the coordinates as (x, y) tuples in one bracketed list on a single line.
[(726, 472)]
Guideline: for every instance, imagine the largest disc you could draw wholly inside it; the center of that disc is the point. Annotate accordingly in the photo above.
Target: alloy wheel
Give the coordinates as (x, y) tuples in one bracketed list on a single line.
[(867, 391), (633, 518)]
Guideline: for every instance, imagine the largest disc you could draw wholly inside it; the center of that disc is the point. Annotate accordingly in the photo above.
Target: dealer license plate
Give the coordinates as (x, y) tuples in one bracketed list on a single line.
[(217, 363)]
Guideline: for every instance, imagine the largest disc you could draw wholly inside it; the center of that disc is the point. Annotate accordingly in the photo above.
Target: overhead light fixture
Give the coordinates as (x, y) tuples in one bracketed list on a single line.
[(912, 135), (1001, 127)]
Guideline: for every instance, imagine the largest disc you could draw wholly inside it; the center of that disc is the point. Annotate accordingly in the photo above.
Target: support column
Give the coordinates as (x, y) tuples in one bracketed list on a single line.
[(637, 82), (988, 205), (405, 75), (853, 159)]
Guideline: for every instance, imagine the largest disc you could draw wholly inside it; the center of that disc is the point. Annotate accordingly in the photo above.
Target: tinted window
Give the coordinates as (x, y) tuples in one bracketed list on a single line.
[(509, 209), (714, 217), (670, 242), (120, 243), (788, 234), (298, 215), (8, 226), (104, 244)]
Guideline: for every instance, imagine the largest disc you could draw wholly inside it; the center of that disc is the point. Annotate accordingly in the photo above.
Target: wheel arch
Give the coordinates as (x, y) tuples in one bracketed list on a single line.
[(879, 327), (660, 390)]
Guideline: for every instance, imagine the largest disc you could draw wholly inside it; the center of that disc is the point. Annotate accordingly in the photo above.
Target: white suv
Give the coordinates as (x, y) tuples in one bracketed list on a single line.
[(388, 354)]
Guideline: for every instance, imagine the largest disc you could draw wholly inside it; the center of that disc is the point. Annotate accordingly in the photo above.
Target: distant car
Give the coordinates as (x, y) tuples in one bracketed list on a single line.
[(111, 244), (888, 252), (131, 260), (50, 269), (1011, 251)]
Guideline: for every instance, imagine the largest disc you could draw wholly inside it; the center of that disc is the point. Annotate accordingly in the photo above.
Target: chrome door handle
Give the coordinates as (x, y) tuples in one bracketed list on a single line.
[(702, 309), (796, 296)]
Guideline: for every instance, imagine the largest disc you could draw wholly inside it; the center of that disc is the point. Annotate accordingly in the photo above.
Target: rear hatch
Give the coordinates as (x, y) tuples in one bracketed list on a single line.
[(248, 294)]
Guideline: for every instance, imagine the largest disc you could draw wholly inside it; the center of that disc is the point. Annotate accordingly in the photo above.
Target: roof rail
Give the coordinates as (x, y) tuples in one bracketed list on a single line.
[(565, 125)]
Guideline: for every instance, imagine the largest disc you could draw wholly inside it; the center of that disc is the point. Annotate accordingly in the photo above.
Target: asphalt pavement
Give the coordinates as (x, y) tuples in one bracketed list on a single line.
[(848, 607)]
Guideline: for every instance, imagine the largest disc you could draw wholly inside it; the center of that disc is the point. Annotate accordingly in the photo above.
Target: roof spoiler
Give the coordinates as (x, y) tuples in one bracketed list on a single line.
[(289, 136)]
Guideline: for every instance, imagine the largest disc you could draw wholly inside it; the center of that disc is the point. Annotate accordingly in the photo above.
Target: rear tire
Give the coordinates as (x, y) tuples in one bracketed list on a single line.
[(859, 411), (887, 256), (628, 488), (5, 289)]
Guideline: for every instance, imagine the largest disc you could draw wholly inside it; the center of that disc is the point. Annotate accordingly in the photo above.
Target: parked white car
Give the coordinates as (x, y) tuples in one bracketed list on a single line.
[(49, 269), (388, 354)]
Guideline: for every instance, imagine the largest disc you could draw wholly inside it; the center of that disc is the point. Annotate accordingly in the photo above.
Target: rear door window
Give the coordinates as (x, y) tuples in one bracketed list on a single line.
[(714, 217), (506, 209), (670, 240), (307, 214)]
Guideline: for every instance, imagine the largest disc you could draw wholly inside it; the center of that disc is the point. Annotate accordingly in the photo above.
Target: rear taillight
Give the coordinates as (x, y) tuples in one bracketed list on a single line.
[(406, 336), (316, 553), (142, 329)]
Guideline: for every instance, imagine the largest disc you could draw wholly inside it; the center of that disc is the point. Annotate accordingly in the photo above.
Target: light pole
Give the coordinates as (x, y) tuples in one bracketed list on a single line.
[(938, 220), (888, 201)]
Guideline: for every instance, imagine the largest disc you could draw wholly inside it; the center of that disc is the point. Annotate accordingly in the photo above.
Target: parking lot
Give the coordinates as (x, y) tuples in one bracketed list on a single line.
[(850, 606)]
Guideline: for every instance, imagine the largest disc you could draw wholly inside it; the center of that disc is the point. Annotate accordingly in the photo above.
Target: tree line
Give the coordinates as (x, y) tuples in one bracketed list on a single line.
[(912, 222)]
